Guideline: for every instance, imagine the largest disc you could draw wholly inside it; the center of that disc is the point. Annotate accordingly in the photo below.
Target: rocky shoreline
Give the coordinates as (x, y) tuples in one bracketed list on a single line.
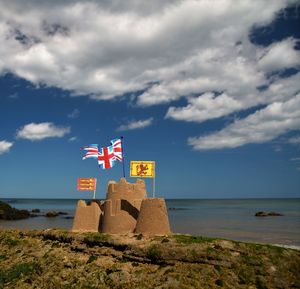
[(60, 259), (8, 212)]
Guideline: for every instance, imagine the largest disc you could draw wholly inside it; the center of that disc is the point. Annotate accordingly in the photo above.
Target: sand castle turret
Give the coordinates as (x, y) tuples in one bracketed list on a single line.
[(153, 218), (87, 218), (125, 210), (122, 206)]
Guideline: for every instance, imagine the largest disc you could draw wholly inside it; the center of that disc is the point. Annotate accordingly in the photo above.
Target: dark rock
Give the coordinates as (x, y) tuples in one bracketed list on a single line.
[(261, 214), (9, 213), (274, 214), (35, 210), (51, 214), (267, 214), (68, 264), (220, 282), (176, 209), (69, 217), (62, 213), (34, 215)]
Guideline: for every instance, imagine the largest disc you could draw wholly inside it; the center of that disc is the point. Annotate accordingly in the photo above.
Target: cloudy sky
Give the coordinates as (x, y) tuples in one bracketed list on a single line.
[(207, 89)]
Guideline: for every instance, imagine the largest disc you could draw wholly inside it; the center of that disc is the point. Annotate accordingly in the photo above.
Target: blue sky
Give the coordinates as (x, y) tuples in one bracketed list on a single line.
[(208, 90)]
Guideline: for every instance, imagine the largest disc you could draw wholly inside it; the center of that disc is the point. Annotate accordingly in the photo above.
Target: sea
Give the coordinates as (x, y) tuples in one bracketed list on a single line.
[(222, 218)]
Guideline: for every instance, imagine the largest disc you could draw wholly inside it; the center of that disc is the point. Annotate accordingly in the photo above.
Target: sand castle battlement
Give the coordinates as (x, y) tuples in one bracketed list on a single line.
[(125, 210), (87, 218), (125, 190)]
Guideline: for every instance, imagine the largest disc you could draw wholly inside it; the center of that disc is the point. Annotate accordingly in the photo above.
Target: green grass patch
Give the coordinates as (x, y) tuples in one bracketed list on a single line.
[(252, 260), (219, 282), (276, 249), (58, 235), (211, 250), (10, 241), (260, 283), (246, 275), (153, 253), (218, 268), (92, 258), (94, 239), (266, 248), (18, 271), (186, 239)]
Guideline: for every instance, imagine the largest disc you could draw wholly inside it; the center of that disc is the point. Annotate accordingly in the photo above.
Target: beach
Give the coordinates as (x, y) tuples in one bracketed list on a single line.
[(231, 218), (215, 243), (60, 259)]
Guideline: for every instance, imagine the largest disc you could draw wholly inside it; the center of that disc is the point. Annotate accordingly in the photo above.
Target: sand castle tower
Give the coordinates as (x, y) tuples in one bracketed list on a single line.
[(122, 206), (153, 218), (87, 218)]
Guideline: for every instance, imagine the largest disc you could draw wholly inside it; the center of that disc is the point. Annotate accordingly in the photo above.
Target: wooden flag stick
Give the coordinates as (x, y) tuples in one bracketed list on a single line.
[(154, 176), (153, 194), (95, 189), (123, 159)]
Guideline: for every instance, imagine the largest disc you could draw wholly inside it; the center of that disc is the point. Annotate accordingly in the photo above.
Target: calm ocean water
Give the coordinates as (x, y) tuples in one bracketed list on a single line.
[(230, 218)]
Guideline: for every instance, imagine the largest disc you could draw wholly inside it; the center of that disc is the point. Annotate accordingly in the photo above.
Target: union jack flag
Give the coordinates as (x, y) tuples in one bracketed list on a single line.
[(117, 146), (106, 156), (92, 151)]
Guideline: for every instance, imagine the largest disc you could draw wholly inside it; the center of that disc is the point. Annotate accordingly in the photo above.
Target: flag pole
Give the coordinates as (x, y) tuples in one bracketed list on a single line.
[(153, 194), (123, 159), (153, 182), (95, 189)]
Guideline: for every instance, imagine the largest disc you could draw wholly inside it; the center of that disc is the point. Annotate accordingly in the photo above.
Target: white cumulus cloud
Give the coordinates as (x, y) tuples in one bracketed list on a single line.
[(209, 106), (204, 107), (264, 125), (105, 48), (279, 56), (40, 131), (135, 124), (196, 50), (5, 146)]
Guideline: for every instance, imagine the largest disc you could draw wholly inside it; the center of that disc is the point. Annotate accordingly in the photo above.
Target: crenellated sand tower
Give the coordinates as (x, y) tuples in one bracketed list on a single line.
[(125, 210), (122, 206), (87, 218)]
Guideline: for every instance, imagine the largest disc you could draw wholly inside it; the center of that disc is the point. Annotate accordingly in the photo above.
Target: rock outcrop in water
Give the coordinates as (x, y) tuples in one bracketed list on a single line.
[(267, 214), (9, 213), (51, 214)]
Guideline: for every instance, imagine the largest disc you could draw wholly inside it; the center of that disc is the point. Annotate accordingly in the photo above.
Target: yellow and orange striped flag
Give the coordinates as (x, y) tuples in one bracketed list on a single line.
[(86, 184)]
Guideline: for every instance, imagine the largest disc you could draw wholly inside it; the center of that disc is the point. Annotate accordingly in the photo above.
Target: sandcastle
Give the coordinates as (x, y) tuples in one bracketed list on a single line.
[(125, 210)]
